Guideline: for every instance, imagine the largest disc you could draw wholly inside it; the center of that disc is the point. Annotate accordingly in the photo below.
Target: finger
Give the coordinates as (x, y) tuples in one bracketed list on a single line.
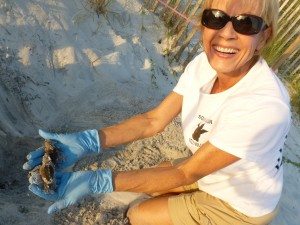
[(30, 164), (57, 206), (36, 153), (48, 135), (39, 192)]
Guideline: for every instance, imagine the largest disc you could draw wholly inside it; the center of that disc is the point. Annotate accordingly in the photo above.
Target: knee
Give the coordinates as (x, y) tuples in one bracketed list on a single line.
[(134, 216)]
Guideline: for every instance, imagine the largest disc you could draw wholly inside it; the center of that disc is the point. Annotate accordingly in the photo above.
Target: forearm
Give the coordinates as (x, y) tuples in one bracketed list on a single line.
[(152, 180), (137, 127), (143, 125)]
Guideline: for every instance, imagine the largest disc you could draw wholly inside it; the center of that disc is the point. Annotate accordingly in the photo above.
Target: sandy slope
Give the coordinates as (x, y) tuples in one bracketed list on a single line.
[(62, 68)]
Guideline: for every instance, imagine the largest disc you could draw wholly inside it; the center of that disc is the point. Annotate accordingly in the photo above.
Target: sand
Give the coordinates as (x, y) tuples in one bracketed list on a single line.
[(63, 68)]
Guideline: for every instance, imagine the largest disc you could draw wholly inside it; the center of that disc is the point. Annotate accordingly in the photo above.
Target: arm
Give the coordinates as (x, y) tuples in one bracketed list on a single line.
[(74, 146), (71, 187), (143, 125), (206, 160)]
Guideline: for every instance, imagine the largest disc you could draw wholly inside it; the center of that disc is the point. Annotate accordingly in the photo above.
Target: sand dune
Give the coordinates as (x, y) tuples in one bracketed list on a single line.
[(63, 68)]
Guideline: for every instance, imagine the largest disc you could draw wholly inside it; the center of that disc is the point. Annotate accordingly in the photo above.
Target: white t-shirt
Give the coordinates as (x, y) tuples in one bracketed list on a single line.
[(249, 120)]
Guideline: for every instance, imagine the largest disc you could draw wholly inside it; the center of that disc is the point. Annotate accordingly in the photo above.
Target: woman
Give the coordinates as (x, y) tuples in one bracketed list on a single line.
[(235, 117)]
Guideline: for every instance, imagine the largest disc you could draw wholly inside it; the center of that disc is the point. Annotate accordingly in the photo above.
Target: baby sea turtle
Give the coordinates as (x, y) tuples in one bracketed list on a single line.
[(43, 175)]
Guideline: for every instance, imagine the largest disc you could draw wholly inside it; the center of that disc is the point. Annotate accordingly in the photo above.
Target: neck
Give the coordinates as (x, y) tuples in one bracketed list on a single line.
[(225, 81)]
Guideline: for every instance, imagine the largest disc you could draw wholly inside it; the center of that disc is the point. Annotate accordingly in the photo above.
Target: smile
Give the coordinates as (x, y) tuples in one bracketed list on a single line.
[(225, 50)]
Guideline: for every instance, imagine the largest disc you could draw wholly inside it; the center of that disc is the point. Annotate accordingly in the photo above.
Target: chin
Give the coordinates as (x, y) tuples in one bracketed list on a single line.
[(223, 68)]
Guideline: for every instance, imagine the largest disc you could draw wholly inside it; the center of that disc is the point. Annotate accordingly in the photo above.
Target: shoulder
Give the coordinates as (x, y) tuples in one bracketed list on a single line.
[(265, 82), (196, 73), (198, 63), (260, 92)]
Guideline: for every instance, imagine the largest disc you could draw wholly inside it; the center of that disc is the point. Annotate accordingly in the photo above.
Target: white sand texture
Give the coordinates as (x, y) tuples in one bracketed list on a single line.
[(63, 68)]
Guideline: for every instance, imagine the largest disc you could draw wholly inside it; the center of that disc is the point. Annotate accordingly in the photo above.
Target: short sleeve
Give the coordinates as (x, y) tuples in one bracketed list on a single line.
[(249, 127), (191, 74)]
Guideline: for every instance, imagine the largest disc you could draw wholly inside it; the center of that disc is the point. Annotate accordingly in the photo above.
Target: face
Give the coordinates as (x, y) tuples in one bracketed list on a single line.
[(229, 52)]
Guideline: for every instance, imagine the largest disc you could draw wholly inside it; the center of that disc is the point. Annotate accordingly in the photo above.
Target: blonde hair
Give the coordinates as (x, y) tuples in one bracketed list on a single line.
[(269, 12)]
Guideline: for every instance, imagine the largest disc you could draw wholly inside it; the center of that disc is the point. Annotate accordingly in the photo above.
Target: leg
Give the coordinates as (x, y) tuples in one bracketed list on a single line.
[(150, 212)]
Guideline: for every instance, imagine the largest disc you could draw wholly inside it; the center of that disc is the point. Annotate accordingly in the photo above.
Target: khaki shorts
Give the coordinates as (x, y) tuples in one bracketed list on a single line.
[(198, 207)]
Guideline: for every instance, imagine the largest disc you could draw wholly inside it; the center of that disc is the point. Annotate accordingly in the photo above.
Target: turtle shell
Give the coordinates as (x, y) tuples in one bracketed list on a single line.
[(43, 175)]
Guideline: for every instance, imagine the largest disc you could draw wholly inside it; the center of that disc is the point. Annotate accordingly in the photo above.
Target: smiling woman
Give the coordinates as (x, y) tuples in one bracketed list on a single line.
[(230, 42), (235, 119), (268, 10)]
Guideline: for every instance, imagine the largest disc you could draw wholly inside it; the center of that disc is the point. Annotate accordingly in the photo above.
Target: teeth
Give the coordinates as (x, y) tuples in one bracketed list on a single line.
[(226, 50)]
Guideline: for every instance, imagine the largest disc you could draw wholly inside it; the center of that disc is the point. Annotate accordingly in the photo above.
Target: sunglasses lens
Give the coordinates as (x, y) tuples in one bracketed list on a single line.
[(248, 24), (243, 24), (214, 19)]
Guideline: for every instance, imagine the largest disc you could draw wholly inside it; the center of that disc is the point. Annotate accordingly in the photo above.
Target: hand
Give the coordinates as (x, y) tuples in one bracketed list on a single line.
[(73, 186), (72, 147)]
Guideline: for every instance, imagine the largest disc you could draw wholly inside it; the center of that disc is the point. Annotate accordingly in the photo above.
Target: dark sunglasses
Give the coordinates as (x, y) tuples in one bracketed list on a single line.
[(244, 23)]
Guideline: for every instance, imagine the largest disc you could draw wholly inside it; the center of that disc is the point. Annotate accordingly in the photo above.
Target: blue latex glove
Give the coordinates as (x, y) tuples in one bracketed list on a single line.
[(72, 147), (73, 186)]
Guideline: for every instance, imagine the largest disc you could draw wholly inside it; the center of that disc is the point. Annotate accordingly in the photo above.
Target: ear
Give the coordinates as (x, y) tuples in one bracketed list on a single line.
[(265, 35)]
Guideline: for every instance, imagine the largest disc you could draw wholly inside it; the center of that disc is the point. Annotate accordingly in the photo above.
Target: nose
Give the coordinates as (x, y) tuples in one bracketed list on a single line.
[(228, 31)]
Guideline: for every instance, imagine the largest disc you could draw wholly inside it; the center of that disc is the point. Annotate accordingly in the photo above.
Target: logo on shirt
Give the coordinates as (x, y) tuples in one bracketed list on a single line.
[(279, 160), (195, 137), (205, 120), (198, 132)]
